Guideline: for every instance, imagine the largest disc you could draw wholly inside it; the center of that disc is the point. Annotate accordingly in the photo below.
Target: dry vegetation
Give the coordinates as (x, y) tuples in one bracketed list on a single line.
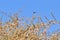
[(14, 29)]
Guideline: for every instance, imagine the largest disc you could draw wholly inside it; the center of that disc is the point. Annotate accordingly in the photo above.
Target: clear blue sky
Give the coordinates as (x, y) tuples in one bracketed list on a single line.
[(27, 7)]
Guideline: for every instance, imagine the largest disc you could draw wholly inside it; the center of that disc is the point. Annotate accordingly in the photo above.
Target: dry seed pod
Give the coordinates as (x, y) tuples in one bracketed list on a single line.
[(53, 38), (28, 33)]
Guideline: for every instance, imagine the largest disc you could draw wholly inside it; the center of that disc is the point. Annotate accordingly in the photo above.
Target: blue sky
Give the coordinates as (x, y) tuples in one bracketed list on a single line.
[(42, 7), (27, 7)]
